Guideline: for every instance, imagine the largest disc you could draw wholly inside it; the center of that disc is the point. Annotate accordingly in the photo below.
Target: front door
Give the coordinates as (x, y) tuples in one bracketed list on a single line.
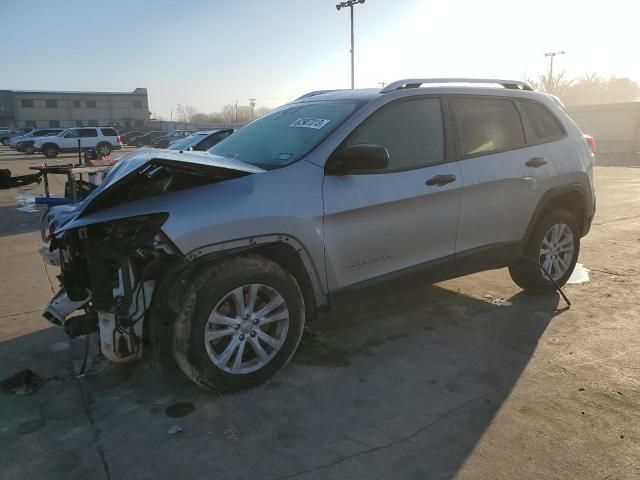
[(403, 216)]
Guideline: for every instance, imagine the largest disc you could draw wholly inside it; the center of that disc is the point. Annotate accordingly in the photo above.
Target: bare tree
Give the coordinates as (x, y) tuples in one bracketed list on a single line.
[(186, 112)]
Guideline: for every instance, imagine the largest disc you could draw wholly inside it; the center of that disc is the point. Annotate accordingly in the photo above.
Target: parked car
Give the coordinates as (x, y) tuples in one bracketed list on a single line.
[(17, 142), (201, 141), (6, 135), (222, 257), (103, 139), (125, 137), (145, 139), (163, 141)]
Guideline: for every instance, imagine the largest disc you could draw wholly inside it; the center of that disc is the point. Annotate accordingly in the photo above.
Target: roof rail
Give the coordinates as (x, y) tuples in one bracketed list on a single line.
[(417, 82), (316, 92)]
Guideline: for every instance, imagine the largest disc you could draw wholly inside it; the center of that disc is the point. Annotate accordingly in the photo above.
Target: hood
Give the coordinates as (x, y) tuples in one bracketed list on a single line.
[(146, 173)]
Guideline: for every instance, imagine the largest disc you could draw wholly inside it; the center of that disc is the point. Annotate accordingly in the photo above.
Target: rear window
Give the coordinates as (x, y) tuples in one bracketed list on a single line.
[(487, 125), (109, 132), (544, 124)]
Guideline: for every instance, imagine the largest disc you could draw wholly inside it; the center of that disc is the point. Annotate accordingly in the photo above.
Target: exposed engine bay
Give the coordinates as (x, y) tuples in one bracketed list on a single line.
[(110, 270)]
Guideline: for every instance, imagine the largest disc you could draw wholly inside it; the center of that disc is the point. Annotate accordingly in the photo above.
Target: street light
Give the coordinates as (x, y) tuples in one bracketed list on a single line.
[(350, 4), (551, 55)]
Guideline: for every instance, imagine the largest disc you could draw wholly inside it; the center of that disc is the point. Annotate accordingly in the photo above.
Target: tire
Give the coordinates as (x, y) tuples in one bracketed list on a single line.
[(5, 141), (527, 274), (50, 150), (28, 149), (103, 149), (214, 363)]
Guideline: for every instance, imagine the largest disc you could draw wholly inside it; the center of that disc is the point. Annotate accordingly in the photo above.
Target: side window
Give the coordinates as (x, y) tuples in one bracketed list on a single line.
[(52, 103), (54, 123), (209, 142), (109, 132), (411, 131), (544, 124), (88, 133), (487, 124), (71, 134), (90, 103)]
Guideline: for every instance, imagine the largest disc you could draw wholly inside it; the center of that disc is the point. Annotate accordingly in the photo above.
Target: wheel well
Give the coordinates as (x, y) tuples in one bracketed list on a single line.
[(572, 201), (287, 257)]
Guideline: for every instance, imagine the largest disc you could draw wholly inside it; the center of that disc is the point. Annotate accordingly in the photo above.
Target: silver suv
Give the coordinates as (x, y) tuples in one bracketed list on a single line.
[(219, 258)]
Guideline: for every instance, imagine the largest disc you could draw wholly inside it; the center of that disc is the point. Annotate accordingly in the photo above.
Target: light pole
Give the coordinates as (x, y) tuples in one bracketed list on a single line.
[(350, 4), (551, 56)]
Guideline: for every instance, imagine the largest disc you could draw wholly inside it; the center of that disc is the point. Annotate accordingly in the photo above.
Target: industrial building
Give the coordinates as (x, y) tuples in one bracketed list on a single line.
[(36, 108)]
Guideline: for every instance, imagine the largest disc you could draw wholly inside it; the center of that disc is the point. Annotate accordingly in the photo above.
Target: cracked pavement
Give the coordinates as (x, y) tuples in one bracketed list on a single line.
[(405, 380)]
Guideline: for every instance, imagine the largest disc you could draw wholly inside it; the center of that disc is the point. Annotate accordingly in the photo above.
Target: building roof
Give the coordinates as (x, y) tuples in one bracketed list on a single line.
[(137, 91)]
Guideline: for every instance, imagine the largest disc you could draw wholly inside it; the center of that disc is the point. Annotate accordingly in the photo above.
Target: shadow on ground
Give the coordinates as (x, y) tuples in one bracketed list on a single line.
[(400, 381)]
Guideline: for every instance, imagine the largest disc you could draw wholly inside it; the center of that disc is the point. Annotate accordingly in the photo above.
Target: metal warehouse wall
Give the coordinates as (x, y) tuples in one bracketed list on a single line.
[(615, 126)]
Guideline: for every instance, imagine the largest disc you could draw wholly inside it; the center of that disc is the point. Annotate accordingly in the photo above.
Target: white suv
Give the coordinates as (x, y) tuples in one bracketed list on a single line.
[(103, 139)]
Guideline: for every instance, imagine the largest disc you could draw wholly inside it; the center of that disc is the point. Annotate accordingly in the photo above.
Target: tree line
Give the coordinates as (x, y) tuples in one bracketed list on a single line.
[(589, 89), (230, 113)]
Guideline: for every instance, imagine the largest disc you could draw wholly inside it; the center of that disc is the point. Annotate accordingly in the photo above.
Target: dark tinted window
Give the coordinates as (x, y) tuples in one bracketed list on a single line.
[(88, 132), (30, 123), (544, 124), (210, 141), (54, 123), (91, 103), (487, 124), (27, 103), (411, 131), (71, 134), (52, 104), (109, 132), (76, 104), (137, 104)]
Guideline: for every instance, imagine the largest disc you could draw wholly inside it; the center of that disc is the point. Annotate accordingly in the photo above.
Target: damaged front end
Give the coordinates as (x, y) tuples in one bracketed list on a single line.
[(108, 270), (112, 266)]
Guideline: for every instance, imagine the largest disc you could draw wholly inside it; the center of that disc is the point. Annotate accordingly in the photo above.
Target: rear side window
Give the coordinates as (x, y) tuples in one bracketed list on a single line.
[(487, 125), (109, 132), (209, 142), (88, 132), (544, 124), (411, 131)]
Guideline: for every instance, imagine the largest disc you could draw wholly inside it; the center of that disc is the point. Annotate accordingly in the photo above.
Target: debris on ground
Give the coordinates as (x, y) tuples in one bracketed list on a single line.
[(25, 382), (174, 429)]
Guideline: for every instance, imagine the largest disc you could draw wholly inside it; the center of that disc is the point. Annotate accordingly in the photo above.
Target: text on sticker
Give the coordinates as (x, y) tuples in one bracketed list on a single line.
[(310, 123)]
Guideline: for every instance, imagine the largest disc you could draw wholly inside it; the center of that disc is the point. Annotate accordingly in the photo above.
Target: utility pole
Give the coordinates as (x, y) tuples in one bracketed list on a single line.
[(252, 104), (350, 4), (551, 56), (382, 84), (236, 111)]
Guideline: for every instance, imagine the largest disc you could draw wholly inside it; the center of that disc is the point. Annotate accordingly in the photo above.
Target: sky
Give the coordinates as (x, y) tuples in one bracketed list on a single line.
[(208, 53)]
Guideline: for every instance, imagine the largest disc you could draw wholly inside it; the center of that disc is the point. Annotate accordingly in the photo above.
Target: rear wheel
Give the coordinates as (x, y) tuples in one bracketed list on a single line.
[(50, 150), (28, 149), (554, 244), (104, 149), (240, 323)]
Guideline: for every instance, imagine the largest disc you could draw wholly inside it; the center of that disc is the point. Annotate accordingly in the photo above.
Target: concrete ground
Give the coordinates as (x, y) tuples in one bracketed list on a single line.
[(467, 379)]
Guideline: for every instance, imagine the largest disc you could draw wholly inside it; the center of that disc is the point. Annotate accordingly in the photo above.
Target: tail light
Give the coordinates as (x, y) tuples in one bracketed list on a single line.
[(591, 142)]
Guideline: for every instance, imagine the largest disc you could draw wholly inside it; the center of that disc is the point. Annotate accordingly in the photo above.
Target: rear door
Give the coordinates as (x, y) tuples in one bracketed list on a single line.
[(399, 217), (89, 137), (501, 173)]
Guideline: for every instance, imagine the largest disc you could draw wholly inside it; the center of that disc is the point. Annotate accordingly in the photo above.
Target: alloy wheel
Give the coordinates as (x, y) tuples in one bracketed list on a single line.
[(246, 329), (556, 250)]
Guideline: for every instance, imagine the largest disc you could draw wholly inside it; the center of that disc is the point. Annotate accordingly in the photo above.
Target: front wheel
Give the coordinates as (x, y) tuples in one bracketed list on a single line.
[(28, 149), (240, 323), (554, 244)]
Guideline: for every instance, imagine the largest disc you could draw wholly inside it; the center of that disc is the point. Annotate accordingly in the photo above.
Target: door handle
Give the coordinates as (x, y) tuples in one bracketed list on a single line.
[(440, 180), (535, 162)]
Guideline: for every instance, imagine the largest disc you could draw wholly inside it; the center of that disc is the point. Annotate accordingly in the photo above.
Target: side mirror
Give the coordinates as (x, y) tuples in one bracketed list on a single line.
[(356, 158)]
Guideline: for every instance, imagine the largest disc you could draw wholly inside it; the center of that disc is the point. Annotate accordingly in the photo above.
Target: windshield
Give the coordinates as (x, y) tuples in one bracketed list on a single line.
[(285, 135), (186, 142)]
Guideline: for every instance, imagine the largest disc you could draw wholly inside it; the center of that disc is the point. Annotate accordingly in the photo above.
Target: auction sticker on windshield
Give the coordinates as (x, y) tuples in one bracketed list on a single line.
[(316, 123)]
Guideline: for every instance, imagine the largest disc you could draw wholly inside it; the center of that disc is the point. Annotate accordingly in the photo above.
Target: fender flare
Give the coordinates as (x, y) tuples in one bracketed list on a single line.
[(218, 250), (546, 199)]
